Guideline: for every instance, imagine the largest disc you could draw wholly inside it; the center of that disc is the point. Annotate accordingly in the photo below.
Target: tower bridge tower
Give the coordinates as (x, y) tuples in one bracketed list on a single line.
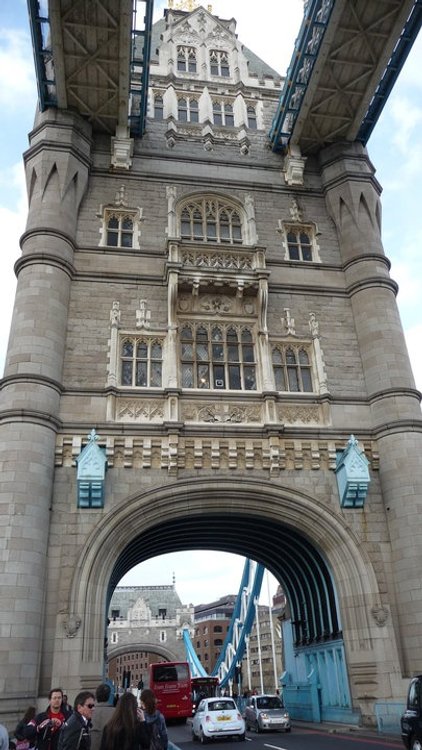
[(206, 351)]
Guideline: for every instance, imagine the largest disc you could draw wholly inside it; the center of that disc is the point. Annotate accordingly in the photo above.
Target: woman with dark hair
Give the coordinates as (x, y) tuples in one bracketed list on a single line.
[(126, 729), (21, 741), (155, 721)]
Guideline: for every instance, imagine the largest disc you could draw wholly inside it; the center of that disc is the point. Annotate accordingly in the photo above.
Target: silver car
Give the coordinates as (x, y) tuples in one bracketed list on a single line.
[(266, 712)]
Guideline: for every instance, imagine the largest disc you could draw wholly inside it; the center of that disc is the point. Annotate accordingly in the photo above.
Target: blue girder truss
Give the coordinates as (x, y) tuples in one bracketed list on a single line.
[(390, 75), (307, 46), (142, 13), (239, 629)]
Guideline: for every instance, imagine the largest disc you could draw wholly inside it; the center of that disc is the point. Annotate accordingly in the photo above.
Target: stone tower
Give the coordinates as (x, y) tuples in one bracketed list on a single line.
[(200, 326)]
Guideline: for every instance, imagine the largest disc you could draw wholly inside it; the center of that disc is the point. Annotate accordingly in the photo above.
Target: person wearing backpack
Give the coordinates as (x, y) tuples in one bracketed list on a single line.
[(155, 721)]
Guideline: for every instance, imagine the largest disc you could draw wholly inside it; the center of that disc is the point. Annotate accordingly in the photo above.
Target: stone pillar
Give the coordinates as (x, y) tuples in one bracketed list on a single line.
[(57, 165), (352, 197)]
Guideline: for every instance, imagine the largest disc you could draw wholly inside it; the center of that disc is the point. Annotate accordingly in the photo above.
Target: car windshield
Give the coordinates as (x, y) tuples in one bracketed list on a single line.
[(269, 701), (221, 706)]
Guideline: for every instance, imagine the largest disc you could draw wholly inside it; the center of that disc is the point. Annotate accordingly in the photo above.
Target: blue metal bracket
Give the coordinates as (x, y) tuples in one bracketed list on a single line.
[(306, 50)]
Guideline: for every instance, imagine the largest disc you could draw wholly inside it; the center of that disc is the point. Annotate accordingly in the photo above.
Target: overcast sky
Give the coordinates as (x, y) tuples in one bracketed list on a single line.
[(269, 28)]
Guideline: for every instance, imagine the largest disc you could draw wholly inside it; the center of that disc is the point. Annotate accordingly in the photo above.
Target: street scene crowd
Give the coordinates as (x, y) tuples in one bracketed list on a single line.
[(95, 722)]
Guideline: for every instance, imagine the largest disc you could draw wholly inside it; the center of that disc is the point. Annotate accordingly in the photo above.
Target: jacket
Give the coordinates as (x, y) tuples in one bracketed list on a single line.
[(101, 714), (40, 729), (159, 719), (75, 733)]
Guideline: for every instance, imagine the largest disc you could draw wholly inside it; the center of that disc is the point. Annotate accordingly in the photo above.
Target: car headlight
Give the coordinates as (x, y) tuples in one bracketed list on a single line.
[(286, 715), (264, 716)]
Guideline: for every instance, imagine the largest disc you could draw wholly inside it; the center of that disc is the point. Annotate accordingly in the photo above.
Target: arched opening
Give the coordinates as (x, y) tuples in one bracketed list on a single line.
[(312, 553)]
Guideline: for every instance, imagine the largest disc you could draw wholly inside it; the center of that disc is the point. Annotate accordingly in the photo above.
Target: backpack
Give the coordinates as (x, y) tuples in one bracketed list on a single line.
[(155, 742)]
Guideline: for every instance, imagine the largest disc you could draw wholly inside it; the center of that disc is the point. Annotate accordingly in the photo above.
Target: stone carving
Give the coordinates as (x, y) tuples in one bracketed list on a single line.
[(115, 314), (294, 414), (380, 615), (313, 325), (71, 625), (143, 315), (140, 410), (295, 212), (216, 305), (288, 323), (202, 259), (222, 413)]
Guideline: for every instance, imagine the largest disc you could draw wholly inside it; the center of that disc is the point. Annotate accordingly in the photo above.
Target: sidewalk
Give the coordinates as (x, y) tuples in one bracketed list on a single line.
[(330, 728)]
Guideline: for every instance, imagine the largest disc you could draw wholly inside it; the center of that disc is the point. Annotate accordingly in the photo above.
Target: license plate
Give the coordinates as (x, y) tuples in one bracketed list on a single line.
[(223, 718)]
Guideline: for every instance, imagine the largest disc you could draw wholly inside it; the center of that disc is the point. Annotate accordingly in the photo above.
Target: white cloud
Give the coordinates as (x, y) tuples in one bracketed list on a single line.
[(17, 77)]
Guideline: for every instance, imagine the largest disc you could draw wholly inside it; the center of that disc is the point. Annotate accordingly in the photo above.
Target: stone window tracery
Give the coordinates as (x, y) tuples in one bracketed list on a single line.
[(222, 113), (219, 63), (141, 362), (217, 356), (186, 59), (299, 240), (158, 107), (210, 220), (252, 121), (292, 368), (187, 109), (120, 229)]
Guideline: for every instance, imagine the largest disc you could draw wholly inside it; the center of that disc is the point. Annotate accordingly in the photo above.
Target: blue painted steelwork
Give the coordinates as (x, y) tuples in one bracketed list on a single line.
[(241, 623), (195, 666), (315, 685), (390, 75), (306, 50), (139, 68), (352, 475), (240, 627), (43, 54)]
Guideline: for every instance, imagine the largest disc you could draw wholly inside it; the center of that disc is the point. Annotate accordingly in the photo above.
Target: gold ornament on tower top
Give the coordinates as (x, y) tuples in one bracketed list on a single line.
[(186, 5)]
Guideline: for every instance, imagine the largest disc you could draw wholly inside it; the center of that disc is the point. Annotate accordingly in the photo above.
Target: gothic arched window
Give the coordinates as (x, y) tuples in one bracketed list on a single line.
[(251, 113), (211, 220), (186, 59), (158, 107), (222, 113), (219, 63), (218, 357), (187, 110), (119, 230), (141, 362), (292, 368)]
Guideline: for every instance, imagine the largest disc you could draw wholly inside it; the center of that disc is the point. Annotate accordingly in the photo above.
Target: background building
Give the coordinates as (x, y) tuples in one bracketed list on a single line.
[(145, 626), (211, 625)]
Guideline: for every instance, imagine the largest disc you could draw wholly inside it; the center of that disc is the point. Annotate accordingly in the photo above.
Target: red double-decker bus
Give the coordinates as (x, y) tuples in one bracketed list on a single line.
[(203, 687), (171, 684)]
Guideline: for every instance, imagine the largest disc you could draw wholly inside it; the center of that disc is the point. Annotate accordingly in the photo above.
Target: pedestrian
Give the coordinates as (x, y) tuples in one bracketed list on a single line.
[(4, 738), (101, 714), (155, 721), (75, 732), (126, 729), (45, 727), (22, 743)]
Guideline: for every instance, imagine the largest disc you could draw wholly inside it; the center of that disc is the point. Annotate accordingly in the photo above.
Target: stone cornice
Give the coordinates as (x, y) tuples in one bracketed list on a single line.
[(31, 379), (30, 416), (45, 259)]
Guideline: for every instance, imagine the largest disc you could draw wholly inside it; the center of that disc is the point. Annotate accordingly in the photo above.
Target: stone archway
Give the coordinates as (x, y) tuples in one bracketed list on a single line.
[(105, 557)]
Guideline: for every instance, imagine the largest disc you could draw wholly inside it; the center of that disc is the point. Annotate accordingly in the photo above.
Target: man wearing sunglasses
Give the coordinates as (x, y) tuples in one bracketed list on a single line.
[(75, 732)]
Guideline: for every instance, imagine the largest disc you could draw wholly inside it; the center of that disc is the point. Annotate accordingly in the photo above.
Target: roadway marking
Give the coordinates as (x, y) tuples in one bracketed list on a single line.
[(276, 747)]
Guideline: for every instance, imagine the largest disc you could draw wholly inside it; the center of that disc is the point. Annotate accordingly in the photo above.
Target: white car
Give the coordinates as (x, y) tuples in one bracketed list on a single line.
[(216, 718)]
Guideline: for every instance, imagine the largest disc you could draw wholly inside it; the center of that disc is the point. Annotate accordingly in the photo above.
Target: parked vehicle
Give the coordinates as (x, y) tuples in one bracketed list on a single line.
[(411, 721), (217, 718), (170, 682), (266, 712)]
